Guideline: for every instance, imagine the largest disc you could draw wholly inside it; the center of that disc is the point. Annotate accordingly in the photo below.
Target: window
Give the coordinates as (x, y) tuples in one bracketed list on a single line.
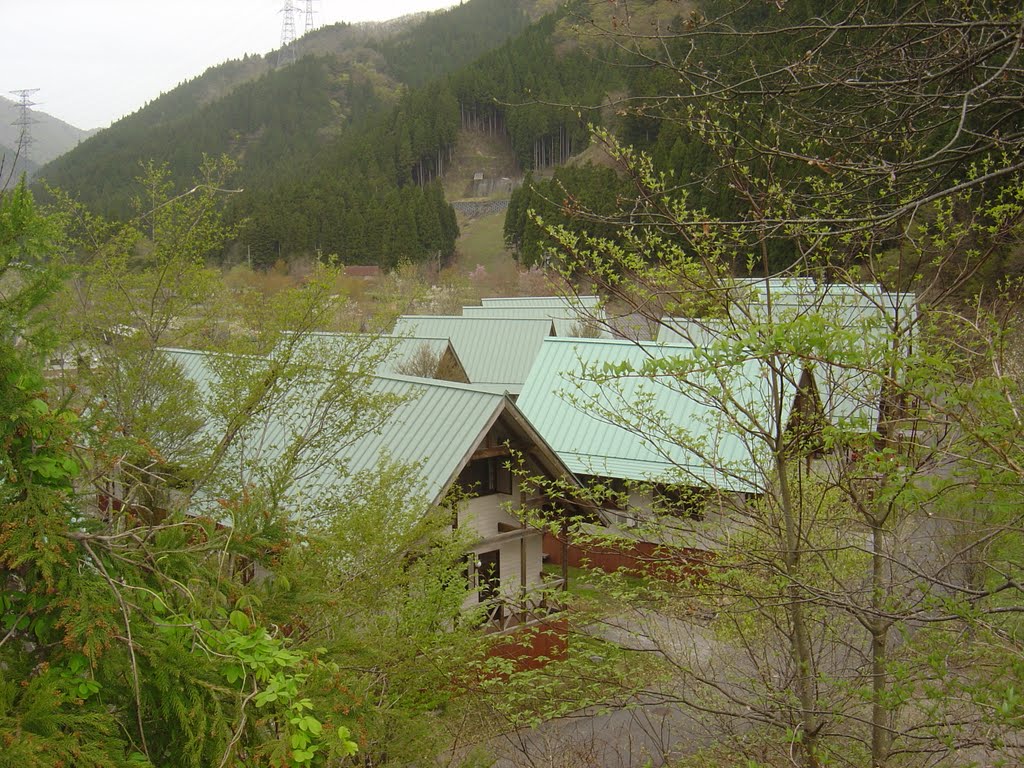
[(484, 477)]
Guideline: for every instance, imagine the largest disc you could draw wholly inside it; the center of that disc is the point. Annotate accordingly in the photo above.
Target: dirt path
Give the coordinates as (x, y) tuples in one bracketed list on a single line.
[(649, 730)]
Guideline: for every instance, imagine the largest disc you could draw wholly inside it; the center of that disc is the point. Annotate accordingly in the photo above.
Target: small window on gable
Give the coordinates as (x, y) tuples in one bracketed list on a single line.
[(483, 477)]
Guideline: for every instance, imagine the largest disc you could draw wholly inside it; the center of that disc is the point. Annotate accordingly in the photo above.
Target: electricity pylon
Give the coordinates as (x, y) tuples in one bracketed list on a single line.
[(309, 16), (286, 53), (25, 121)]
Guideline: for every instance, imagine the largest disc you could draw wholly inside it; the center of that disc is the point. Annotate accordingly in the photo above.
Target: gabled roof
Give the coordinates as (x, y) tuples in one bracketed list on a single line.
[(844, 303), (577, 416), (435, 426), (496, 353), (568, 321), (850, 395), (402, 351)]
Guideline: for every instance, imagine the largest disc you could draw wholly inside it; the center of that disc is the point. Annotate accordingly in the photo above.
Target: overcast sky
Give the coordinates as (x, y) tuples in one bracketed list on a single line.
[(95, 61)]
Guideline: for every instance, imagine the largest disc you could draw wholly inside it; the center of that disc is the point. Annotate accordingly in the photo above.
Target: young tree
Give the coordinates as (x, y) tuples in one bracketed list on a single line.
[(872, 145), (124, 641), (139, 624)]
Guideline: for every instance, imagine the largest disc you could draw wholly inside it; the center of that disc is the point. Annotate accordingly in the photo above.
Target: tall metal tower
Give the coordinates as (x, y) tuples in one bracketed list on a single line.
[(286, 53), (25, 122), (309, 16)]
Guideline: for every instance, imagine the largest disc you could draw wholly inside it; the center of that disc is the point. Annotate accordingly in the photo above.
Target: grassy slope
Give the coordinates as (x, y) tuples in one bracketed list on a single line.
[(480, 242)]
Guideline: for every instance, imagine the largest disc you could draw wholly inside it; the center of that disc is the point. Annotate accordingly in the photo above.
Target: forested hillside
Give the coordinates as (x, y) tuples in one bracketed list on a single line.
[(337, 152), (711, 107), (51, 137), (14, 165), (278, 123), (520, 91)]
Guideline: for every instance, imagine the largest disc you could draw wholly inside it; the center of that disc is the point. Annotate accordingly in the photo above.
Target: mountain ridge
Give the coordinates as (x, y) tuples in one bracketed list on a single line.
[(233, 107), (338, 152), (51, 137)]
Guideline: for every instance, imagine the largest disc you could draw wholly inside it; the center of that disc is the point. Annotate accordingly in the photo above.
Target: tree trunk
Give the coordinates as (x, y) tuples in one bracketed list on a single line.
[(879, 641), (799, 639)]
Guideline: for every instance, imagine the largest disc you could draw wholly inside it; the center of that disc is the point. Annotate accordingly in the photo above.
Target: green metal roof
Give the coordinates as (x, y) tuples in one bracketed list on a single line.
[(848, 303), (850, 394), (399, 352), (436, 426), (583, 302), (636, 426), (496, 353), (568, 320)]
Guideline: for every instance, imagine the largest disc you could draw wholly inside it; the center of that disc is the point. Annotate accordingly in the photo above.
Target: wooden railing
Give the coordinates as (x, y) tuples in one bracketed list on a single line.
[(529, 607)]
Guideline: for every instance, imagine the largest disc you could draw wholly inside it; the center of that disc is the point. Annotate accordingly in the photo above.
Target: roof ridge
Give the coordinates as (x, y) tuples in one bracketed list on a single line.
[(477, 319), (209, 353), (366, 334), (441, 383), (543, 296), (617, 342)]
